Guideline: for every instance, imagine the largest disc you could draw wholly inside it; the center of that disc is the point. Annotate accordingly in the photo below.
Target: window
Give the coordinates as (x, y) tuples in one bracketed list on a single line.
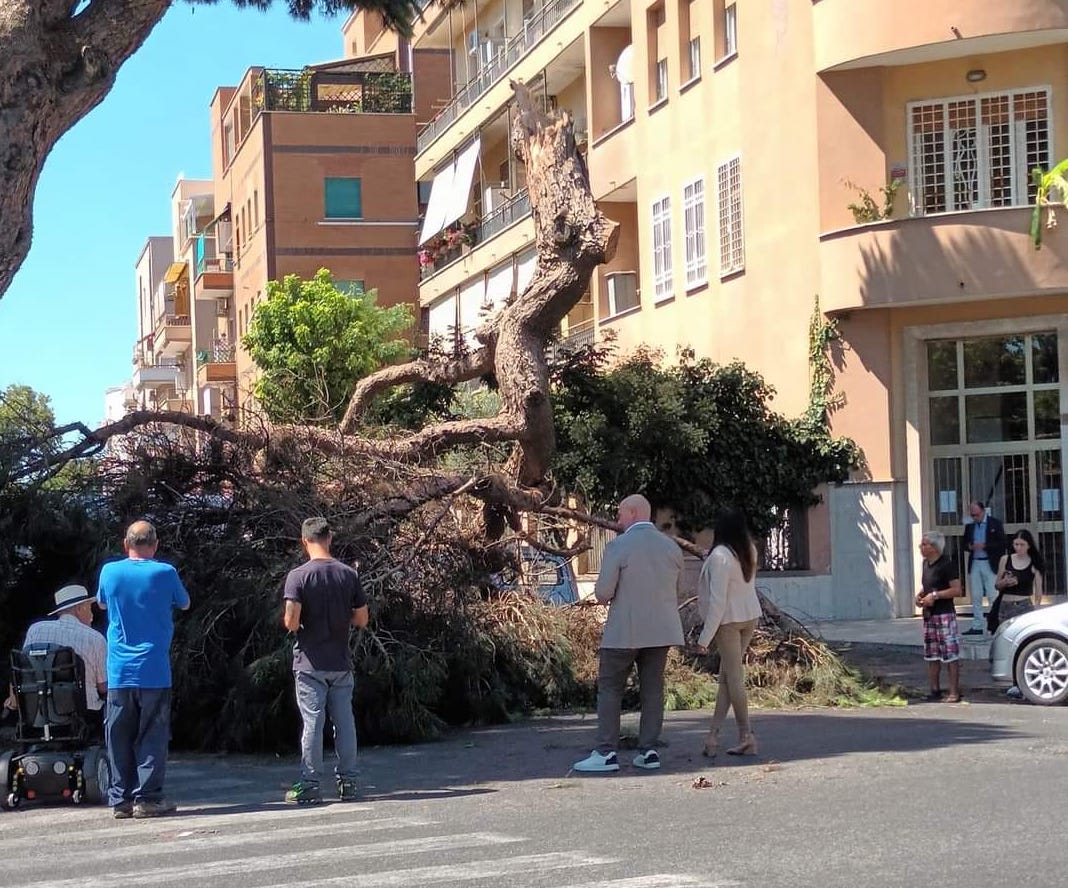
[(730, 30), (343, 198), (255, 210), (661, 79), (977, 151), (659, 49), (731, 234), (626, 101), (693, 211), (662, 284), (622, 287), (229, 145), (689, 41), (349, 286)]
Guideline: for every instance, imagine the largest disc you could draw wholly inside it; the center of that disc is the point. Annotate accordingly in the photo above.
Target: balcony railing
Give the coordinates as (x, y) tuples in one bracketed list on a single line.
[(219, 354), (533, 30), (435, 256), (364, 92), (214, 264), (508, 213)]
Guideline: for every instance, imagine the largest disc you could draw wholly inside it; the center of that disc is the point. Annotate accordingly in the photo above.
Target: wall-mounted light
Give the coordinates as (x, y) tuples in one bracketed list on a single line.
[(976, 75)]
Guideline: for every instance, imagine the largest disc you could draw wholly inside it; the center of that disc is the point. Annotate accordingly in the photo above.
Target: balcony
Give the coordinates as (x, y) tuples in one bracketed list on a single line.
[(950, 257), (152, 376), (176, 405), (458, 240), (216, 366), (495, 63), (332, 90), (173, 334), (848, 34)]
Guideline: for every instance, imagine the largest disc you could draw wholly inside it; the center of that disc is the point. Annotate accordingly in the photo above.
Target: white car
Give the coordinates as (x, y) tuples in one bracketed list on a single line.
[(1031, 651)]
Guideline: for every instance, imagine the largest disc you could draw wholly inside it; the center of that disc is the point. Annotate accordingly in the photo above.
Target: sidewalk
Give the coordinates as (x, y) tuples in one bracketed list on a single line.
[(906, 632)]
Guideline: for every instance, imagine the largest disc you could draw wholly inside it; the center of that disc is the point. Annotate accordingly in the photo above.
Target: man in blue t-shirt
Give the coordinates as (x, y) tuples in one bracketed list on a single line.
[(139, 595), (323, 599)]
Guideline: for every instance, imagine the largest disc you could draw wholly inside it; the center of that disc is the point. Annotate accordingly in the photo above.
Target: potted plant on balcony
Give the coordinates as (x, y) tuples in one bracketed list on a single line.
[(426, 262)]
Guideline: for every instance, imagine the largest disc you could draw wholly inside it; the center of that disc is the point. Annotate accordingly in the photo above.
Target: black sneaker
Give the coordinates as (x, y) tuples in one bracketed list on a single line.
[(974, 632), (347, 790), (123, 811), (303, 794), (156, 808)]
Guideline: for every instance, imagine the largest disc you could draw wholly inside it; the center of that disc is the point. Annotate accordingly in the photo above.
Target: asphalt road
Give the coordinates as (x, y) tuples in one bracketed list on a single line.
[(966, 795)]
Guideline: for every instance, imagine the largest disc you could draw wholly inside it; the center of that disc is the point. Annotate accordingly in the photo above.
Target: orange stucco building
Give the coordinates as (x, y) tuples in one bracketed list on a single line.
[(729, 140)]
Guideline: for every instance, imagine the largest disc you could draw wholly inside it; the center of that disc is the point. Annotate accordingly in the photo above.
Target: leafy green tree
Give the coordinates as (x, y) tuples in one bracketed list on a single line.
[(692, 437), (312, 342), (26, 425)]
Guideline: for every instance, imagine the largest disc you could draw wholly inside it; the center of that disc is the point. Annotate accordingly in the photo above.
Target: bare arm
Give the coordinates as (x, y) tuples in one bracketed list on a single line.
[(291, 617), (1036, 593), (360, 616), (953, 589)]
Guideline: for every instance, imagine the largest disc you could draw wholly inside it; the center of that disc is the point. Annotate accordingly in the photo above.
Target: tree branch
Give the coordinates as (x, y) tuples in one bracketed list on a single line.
[(422, 370)]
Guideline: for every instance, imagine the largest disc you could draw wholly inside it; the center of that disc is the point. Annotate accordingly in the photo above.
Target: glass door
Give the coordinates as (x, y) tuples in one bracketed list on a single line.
[(993, 434)]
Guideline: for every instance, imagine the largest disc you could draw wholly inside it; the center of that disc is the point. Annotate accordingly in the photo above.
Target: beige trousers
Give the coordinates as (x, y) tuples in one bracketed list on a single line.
[(731, 640)]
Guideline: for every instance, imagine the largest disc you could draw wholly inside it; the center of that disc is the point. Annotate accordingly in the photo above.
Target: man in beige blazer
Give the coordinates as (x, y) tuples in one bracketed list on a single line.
[(641, 573)]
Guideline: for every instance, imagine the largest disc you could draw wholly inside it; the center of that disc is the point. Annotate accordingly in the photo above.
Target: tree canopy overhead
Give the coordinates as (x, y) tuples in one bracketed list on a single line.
[(59, 60)]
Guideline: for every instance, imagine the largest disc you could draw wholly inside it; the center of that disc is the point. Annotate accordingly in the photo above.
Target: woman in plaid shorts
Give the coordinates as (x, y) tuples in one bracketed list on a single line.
[(939, 585)]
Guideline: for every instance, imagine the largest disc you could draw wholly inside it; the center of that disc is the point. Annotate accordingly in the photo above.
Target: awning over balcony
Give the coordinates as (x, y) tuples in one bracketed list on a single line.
[(450, 192), (528, 262), (499, 284), (442, 317), (174, 273)]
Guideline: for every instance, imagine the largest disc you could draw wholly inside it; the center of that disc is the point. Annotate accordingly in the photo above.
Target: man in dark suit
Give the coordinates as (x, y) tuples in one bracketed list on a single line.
[(984, 539)]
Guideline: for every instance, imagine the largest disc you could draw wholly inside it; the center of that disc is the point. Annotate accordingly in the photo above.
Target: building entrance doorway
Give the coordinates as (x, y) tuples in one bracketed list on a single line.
[(994, 434)]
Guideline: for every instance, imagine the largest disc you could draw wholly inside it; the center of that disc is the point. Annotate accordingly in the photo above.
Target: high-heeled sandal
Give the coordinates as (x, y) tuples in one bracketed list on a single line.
[(711, 746), (747, 746)]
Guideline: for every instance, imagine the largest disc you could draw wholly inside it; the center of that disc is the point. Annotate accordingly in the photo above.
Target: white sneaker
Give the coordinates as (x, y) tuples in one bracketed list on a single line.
[(650, 760), (597, 763)]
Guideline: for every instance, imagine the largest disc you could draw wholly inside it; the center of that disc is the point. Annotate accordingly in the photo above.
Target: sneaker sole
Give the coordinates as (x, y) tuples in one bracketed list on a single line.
[(607, 769), (649, 767), (304, 801)]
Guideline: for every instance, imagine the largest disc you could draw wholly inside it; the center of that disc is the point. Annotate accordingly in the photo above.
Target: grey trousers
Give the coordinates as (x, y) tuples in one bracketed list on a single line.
[(612, 679), (321, 694)]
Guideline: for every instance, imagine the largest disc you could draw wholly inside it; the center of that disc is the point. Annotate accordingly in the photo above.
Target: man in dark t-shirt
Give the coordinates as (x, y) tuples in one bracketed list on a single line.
[(323, 599), (939, 585)]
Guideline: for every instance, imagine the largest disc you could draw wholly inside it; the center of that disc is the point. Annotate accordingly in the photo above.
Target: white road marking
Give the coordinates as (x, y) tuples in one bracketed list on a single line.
[(194, 872)]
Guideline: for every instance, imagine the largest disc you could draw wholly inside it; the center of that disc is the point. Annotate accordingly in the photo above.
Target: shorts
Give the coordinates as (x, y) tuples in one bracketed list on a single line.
[(941, 640)]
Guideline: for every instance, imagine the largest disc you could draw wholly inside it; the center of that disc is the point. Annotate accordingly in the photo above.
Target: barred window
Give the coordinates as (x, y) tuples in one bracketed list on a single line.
[(731, 232), (977, 151)]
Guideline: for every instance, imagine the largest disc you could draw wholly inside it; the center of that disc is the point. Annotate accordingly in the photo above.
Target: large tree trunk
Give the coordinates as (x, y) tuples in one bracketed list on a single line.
[(55, 67)]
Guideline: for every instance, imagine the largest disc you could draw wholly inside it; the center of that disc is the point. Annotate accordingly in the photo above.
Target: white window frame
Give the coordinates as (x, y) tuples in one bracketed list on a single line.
[(731, 215), (663, 283), (1020, 174), (730, 30), (694, 53), (661, 80), (694, 228)]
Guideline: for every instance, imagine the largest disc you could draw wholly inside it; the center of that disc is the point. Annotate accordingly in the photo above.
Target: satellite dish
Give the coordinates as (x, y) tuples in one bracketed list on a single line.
[(625, 65)]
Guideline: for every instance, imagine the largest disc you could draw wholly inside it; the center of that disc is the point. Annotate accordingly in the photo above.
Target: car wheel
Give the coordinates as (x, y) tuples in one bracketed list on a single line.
[(1042, 671)]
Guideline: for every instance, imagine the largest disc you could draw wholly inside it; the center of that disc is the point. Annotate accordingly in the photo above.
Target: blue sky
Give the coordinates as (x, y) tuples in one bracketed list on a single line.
[(68, 323)]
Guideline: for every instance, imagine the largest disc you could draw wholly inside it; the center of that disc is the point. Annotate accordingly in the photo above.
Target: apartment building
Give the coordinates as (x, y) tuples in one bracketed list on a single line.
[(728, 138), (311, 169)]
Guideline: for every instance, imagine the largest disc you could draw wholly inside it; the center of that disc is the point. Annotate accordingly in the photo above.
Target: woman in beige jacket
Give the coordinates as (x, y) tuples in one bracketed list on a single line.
[(728, 602)]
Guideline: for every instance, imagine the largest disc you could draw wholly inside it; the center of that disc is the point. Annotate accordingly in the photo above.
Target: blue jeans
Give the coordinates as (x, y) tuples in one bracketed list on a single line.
[(138, 728), (320, 694)]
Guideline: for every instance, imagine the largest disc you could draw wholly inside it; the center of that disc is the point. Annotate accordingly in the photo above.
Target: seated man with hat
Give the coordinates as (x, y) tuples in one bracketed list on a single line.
[(73, 628)]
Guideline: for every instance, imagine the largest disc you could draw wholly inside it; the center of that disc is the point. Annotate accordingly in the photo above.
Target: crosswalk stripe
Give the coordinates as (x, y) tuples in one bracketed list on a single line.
[(273, 861), (185, 818), (181, 844), (457, 872), (661, 880)]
